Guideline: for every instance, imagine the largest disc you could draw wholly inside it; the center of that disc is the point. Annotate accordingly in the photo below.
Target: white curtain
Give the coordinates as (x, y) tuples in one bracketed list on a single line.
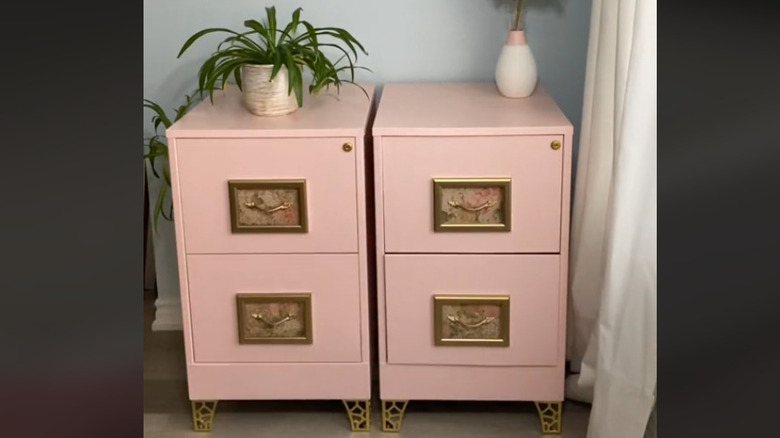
[(612, 313)]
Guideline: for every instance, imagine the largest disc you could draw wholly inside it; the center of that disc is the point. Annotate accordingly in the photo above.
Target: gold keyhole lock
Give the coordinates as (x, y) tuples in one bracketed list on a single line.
[(347, 147), (555, 145)]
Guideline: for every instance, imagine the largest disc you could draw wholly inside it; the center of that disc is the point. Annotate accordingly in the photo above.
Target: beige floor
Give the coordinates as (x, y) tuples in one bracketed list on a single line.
[(167, 410)]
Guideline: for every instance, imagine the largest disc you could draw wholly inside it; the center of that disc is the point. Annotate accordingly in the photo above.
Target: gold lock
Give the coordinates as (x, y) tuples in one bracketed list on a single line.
[(347, 147), (555, 145)]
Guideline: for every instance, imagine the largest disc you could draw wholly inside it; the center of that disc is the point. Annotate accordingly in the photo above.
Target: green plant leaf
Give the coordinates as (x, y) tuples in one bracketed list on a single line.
[(295, 77), (337, 35), (345, 55), (222, 72), (271, 15), (241, 39), (291, 27), (200, 34), (347, 38), (237, 77), (205, 72), (215, 67), (157, 149), (167, 175), (160, 113), (158, 207), (183, 109), (261, 30), (311, 34), (278, 61), (359, 86), (229, 70)]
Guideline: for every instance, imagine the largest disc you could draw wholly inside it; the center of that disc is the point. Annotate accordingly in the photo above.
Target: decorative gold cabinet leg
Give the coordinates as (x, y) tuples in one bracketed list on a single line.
[(203, 414), (551, 416), (359, 412), (393, 414)]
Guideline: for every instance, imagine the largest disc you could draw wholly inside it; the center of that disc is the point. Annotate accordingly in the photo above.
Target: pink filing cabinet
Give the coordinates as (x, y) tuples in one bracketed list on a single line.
[(270, 216), (472, 217)]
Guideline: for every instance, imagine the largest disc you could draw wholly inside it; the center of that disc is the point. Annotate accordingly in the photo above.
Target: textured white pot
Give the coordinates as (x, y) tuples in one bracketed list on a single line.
[(516, 74), (263, 96)]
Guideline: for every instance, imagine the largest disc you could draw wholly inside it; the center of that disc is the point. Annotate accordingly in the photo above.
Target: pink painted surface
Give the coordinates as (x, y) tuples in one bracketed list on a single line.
[(565, 245), (516, 38), (325, 118), (465, 109), (414, 110), (331, 192), (332, 280), (181, 251), (379, 223), (366, 309), (288, 381), (530, 281), (411, 163), (326, 115), (425, 382)]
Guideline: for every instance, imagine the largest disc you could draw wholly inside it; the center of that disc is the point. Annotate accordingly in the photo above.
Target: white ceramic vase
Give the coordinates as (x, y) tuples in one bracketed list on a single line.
[(263, 96), (516, 74)]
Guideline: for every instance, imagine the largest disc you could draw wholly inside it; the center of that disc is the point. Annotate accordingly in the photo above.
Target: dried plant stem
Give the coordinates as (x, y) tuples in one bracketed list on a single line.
[(517, 22)]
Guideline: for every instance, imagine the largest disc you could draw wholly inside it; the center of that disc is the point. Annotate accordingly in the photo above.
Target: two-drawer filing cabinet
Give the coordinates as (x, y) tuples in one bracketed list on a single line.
[(271, 234), (472, 215)]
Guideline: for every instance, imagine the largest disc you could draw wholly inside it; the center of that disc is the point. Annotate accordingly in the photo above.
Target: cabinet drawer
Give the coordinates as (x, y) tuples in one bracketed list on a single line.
[(498, 310), (289, 195), (472, 194), (275, 308)]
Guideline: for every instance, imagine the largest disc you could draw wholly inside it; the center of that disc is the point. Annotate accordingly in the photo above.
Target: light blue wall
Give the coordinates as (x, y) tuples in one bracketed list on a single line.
[(407, 40)]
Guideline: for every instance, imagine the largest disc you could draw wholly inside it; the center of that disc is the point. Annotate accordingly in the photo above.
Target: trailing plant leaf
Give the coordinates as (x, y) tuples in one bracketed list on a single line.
[(157, 152)]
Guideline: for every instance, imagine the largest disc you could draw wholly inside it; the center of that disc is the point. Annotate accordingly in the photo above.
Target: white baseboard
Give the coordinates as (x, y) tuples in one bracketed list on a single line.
[(167, 315)]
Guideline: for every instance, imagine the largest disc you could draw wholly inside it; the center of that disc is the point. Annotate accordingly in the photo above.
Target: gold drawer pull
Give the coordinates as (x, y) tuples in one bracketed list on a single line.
[(481, 207), (485, 320), (283, 206), (260, 318)]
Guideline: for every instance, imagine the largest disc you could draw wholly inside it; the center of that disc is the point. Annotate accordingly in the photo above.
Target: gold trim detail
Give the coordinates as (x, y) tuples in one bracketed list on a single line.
[(359, 413), (550, 415), (299, 185), (203, 412), (470, 322), (393, 414), (304, 299), (439, 184)]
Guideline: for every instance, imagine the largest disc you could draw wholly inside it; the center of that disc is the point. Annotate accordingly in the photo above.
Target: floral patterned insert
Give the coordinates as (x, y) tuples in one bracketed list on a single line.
[(472, 205), (280, 319), (471, 321), (268, 207)]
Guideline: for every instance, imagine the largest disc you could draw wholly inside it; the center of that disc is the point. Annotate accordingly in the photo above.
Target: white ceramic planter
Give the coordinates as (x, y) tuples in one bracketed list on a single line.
[(516, 74), (263, 96)]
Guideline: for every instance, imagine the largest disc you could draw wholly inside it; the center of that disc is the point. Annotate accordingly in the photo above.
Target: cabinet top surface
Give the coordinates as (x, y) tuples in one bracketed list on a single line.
[(327, 114), (465, 109)]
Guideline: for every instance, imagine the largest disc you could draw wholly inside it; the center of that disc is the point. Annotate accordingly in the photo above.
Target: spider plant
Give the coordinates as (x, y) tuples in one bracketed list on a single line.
[(268, 44), (157, 149)]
